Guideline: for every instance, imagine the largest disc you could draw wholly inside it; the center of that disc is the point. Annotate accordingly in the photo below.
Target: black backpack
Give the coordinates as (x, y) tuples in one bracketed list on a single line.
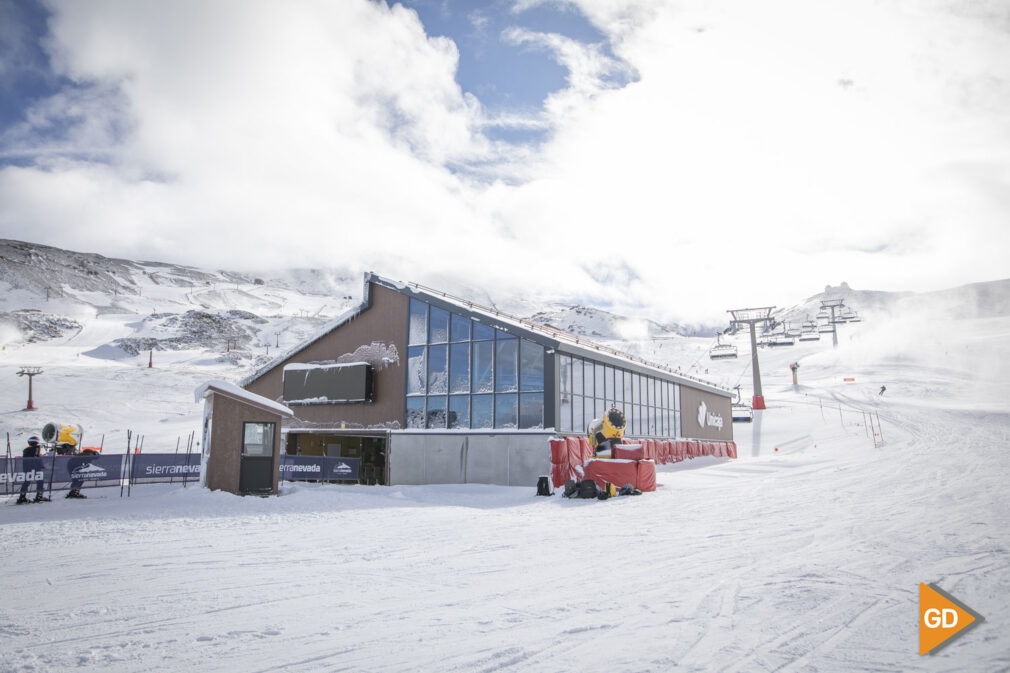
[(544, 486), (587, 489), (571, 489)]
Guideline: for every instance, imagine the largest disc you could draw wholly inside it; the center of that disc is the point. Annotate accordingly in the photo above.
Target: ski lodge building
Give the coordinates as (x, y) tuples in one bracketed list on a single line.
[(423, 388)]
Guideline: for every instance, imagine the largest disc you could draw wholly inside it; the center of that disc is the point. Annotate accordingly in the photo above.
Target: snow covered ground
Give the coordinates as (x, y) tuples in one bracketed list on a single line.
[(805, 554)]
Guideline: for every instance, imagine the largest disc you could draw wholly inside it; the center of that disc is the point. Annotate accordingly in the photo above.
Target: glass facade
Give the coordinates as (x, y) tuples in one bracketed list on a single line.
[(464, 374), (587, 389)]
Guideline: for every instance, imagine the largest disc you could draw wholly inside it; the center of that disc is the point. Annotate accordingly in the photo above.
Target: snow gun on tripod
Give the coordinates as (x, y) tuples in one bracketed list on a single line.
[(606, 432)]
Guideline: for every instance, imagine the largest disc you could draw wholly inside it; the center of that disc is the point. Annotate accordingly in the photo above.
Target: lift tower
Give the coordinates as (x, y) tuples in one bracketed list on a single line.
[(752, 317), (30, 372), (831, 305)]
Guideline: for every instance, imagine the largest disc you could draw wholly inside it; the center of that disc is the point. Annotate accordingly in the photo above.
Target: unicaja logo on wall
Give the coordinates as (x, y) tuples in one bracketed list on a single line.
[(705, 417)]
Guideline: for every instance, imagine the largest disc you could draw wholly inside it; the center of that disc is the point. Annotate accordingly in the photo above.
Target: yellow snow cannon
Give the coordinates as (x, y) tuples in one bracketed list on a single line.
[(605, 432), (65, 438)]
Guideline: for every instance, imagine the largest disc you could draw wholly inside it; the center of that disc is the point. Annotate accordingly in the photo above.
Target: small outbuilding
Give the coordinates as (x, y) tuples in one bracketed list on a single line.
[(241, 439)]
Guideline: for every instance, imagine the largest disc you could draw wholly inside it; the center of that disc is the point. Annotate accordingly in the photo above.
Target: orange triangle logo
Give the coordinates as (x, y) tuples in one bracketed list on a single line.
[(941, 618)]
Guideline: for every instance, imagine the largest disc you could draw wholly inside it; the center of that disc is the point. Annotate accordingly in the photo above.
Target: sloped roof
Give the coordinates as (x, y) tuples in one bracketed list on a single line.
[(550, 337)]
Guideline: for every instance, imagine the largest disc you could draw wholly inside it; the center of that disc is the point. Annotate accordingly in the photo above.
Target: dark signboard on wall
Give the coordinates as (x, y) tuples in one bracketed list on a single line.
[(328, 384)]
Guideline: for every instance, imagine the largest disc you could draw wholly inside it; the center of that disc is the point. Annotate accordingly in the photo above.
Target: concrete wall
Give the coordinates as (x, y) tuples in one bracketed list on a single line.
[(384, 321), (225, 460), (690, 403), (506, 459)]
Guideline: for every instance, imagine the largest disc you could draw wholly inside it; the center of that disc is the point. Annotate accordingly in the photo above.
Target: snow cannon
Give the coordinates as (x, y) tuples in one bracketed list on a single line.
[(66, 438), (606, 432)]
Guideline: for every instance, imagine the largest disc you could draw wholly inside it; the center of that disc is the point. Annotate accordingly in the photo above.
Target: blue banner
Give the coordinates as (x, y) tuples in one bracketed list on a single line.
[(318, 468), (154, 468), (61, 473)]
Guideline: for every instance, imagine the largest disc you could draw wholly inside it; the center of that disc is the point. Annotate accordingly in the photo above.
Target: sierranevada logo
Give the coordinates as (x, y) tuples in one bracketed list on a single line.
[(942, 619)]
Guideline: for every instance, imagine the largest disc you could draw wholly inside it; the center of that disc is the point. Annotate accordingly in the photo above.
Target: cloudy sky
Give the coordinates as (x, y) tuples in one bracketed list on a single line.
[(665, 159)]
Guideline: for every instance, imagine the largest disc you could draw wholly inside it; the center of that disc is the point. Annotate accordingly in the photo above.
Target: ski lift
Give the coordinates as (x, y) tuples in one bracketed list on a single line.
[(827, 328), (781, 339), (742, 413), (811, 336), (721, 351)]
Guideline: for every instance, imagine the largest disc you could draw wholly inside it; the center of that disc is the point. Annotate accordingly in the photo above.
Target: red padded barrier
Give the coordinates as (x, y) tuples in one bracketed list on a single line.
[(587, 449), (559, 452), (559, 475), (732, 449), (618, 472), (650, 449), (646, 476), (667, 454), (693, 450), (574, 450), (629, 451)]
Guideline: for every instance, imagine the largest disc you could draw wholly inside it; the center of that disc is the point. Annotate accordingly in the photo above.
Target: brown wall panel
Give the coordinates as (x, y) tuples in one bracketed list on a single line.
[(385, 321)]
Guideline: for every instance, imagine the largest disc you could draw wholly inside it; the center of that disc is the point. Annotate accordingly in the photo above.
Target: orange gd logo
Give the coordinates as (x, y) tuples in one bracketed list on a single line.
[(942, 618)]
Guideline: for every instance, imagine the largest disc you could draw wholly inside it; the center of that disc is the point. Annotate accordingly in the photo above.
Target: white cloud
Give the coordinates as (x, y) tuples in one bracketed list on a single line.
[(762, 150)]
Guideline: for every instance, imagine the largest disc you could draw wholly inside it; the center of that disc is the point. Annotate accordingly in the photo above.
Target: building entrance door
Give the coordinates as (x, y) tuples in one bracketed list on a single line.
[(258, 471)]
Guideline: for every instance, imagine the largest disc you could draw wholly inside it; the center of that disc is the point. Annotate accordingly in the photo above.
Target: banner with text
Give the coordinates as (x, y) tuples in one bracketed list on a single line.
[(318, 468)]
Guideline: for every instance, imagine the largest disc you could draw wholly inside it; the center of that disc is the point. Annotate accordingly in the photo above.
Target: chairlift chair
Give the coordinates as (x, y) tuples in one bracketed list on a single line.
[(810, 336), (721, 351)]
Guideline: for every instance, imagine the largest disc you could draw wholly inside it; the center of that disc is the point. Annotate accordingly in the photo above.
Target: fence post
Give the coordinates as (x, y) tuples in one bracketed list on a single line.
[(879, 427), (124, 466)]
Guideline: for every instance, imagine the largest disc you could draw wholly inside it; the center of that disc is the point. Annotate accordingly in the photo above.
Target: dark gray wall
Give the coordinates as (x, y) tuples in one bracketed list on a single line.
[(720, 407)]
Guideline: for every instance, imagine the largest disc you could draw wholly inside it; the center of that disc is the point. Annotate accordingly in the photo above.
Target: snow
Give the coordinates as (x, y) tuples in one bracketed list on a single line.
[(239, 393), (805, 554), (297, 366)]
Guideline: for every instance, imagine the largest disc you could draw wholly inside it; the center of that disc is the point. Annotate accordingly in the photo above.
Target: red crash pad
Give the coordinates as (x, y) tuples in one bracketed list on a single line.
[(629, 452), (617, 472), (646, 476)]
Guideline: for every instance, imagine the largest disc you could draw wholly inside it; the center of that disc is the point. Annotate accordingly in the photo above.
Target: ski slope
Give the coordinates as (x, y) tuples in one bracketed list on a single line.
[(805, 554)]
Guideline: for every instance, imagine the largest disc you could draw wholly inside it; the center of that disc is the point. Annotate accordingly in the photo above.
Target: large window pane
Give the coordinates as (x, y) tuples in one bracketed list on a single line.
[(438, 326), (608, 384), (438, 370), (676, 399), (459, 368), (482, 332), (415, 412), (636, 388), (505, 366), (459, 411), (600, 390), (482, 411), (258, 439), (565, 396), (531, 366), (531, 410), (619, 388), (587, 371), (506, 411), (565, 422), (483, 368), (417, 371), (436, 412), (652, 421), (502, 334), (460, 328), (418, 322), (577, 386), (627, 387), (600, 409)]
